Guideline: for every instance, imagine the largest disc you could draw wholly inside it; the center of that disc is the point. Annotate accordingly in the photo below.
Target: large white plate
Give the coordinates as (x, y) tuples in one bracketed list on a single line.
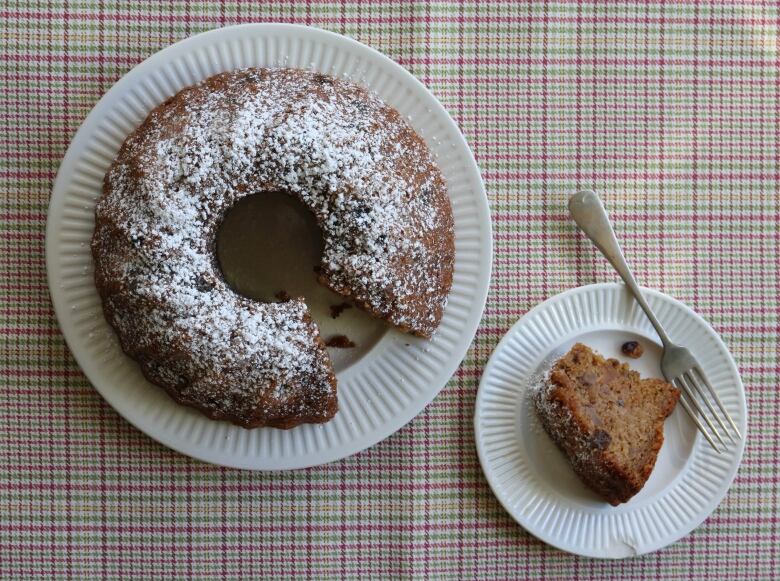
[(378, 393), (532, 478)]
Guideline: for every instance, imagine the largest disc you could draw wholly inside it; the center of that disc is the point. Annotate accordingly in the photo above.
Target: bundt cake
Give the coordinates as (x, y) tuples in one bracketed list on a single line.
[(368, 178), (606, 419)]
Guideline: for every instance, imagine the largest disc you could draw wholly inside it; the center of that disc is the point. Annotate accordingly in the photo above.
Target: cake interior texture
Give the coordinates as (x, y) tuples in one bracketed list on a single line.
[(606, 419)]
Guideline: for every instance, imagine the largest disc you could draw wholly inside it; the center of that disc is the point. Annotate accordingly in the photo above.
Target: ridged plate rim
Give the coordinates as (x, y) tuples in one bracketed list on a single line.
[(379, 394), (630, 529)]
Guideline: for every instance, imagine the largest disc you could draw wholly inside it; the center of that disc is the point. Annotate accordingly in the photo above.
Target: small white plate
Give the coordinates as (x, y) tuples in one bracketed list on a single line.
[(531, 477), (382, 385)]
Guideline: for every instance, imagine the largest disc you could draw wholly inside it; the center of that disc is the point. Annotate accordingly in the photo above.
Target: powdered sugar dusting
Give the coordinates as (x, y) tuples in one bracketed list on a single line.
[(557, 419), (368, 180)]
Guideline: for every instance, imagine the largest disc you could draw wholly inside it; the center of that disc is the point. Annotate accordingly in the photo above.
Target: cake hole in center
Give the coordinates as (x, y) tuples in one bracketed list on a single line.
[(269, 244)]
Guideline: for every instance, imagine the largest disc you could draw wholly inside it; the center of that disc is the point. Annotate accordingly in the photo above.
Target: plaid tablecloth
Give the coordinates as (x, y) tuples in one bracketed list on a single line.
[(671, 111)]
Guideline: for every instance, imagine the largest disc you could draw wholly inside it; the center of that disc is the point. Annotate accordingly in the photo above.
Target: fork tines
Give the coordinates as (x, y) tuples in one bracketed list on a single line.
[(692, 386)]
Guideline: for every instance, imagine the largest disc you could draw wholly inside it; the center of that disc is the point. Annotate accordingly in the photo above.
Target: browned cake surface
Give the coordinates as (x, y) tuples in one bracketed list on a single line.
[(606, 419), (369, 180)]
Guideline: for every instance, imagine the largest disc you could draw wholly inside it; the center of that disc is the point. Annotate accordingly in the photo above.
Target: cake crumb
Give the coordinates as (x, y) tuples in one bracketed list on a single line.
[(340, 342), (632, 349), (283, 296), (336, 310)]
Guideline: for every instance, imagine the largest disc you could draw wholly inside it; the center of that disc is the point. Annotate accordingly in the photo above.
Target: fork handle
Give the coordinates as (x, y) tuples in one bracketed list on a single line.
[(588, 212)]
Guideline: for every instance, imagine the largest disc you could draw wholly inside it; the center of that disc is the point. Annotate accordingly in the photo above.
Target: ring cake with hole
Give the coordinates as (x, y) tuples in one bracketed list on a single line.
[(367, 177)]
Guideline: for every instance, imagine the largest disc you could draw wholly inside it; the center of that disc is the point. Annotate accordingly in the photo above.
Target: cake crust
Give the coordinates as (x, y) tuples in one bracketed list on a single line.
[(606, 420)]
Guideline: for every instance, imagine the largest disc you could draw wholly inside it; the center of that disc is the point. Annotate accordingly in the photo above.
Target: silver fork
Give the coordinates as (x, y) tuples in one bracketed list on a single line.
[(678, 364)]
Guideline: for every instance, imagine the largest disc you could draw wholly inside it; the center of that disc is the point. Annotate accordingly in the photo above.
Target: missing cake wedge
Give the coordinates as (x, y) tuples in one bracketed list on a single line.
[(607, 420)]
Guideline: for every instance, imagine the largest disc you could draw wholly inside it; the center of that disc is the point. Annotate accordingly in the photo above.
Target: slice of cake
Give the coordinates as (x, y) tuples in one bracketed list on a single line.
[(606, 419)]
